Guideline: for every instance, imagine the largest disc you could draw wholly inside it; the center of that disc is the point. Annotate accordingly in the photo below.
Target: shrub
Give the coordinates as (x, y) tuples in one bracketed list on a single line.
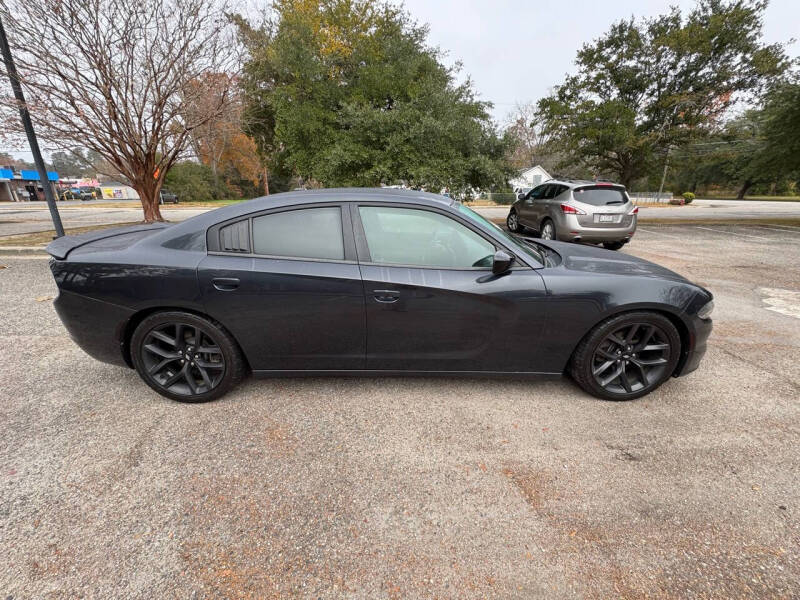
[(502, 197), (688, 197)]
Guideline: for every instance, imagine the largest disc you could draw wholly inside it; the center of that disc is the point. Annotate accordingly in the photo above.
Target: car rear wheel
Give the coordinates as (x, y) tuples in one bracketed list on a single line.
[(627, 356), (512, 221), (548, 231), (613, 245), (186, 357)]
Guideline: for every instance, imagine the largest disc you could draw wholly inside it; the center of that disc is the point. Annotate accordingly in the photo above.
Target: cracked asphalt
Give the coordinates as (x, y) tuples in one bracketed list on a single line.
[(414, 488)]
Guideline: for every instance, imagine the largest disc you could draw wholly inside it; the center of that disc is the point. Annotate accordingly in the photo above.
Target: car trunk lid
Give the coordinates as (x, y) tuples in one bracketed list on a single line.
[(117, 238)]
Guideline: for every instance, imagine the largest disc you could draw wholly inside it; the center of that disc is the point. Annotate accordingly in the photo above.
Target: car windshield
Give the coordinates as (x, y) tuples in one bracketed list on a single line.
[(600, 196), (518, 242)]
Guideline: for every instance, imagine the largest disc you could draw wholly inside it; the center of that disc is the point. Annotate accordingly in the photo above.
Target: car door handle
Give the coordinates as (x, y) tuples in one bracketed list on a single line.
[(386, 296), (225, 284)]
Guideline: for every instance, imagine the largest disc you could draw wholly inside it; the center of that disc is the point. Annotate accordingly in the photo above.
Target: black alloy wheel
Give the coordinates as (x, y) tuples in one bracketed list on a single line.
[(628, 356), (186, 357)]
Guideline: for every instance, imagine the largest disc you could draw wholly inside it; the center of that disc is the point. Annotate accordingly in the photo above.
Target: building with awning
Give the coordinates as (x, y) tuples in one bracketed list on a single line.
[(25, 185)]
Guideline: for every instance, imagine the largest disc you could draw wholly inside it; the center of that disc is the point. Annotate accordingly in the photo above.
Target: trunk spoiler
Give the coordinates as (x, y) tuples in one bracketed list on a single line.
[(62, 246)]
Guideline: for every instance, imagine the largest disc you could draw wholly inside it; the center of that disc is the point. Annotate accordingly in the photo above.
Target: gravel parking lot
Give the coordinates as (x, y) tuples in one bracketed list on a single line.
[(395, 488)]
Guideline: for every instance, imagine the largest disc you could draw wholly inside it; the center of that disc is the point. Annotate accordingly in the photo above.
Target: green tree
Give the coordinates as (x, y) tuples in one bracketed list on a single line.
[(346, 92), (653, 84), (781, 126), (195, 182), (760, 148), (73, 163)]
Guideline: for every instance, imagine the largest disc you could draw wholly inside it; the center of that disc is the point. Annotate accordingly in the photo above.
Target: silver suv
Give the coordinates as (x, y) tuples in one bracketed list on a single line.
[(574, 210)]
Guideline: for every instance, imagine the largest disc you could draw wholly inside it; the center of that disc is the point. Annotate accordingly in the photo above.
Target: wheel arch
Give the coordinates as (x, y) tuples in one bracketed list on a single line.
[(674, 318), (138, 317)]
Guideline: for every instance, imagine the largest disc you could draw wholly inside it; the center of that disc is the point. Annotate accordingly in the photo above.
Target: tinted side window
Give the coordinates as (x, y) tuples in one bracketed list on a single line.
[(537, 192), (405, 236), (550, 192), (303, 233)]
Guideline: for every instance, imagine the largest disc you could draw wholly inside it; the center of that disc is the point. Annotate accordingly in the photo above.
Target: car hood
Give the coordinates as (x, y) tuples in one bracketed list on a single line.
[(591, 259)]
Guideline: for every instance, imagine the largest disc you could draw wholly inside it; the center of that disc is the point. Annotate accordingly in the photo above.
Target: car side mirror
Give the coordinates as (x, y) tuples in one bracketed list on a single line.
[(520, 196), (502, 262)]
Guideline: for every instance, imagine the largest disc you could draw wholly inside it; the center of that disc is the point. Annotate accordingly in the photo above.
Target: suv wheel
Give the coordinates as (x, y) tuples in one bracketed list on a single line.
[(548, 231), (512, 221), (613, 245)]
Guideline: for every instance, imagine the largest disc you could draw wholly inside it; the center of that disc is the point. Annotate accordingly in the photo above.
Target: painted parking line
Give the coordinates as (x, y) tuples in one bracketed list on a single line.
[(672, 235), (757, 237), (787, 228), (769, 228)]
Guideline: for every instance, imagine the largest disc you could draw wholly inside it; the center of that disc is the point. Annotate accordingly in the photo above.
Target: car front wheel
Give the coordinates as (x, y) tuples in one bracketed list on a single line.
[(627, 356), (512, 221), (186, 357)]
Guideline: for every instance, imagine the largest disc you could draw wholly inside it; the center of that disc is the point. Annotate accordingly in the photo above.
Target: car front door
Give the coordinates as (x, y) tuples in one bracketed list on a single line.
[(286, 284), (530, 206), (432, 301)]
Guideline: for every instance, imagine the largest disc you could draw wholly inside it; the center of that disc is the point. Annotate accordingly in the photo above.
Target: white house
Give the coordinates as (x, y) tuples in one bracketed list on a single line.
[(529, 178)]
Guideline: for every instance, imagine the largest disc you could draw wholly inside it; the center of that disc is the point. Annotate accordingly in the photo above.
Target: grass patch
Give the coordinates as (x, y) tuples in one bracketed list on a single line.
[(182, 204), (747, 198), (42, 238)]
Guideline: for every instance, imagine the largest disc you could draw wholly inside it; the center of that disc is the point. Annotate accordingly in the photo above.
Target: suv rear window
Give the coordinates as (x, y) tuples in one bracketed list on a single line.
[(600, 195)]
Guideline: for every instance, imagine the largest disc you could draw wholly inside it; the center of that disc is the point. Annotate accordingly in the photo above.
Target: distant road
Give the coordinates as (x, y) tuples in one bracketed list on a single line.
[(27, 217)]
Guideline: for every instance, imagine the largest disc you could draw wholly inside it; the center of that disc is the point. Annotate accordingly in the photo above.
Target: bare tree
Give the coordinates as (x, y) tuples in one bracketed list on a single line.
[(118, 77), (528, 141)]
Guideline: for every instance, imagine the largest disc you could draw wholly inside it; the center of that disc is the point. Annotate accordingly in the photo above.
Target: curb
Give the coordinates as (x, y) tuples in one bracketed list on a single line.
[(22, 250)]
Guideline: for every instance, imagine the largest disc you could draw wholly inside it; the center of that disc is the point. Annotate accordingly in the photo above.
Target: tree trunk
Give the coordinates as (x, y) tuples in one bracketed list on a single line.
[(266, 182), (743, 190), (148, 195), (693, 187)]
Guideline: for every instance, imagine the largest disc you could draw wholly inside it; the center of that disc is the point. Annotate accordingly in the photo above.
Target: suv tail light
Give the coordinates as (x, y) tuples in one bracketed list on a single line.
[(635, 211), (571, 210)]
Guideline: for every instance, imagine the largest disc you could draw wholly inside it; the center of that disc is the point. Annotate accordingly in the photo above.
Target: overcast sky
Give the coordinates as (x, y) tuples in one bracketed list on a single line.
[(516, 50)]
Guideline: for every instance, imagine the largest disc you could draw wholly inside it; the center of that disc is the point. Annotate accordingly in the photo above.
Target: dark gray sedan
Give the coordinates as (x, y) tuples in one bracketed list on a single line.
[(370, 282)]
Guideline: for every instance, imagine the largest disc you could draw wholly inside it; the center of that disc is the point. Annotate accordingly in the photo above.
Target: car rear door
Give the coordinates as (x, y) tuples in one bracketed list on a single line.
[(286, 284), (432, 301)]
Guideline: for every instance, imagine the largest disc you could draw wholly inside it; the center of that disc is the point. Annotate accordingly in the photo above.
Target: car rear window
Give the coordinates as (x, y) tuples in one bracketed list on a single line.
[(303, 233), (600, 195)]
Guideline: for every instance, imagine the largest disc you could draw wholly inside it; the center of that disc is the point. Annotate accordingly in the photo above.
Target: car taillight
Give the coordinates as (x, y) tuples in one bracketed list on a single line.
[(635, 211), (571, 210)]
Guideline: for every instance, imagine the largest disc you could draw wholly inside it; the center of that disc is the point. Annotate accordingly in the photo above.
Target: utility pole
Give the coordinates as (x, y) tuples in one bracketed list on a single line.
[(663, 175), (11, 69)]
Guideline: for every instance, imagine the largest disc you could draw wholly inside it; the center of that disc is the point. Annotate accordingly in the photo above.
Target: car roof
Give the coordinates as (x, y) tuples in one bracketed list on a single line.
[(573, 183), (301, 197)]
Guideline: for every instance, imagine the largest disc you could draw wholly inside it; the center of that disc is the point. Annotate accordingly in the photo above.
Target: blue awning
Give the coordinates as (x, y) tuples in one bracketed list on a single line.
[(34, 175), (6, 174)]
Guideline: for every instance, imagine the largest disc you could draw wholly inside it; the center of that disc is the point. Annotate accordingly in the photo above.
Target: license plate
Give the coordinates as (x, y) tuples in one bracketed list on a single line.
[(605, 218)]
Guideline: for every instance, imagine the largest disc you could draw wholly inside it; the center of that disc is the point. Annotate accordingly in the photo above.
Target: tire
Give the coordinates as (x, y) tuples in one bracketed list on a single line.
[(613, 245), (548, 230), (168, 347), (512, 222), (646, 360)]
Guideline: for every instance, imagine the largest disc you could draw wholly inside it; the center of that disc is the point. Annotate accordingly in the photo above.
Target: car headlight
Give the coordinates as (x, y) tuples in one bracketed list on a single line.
[(706, 310)]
